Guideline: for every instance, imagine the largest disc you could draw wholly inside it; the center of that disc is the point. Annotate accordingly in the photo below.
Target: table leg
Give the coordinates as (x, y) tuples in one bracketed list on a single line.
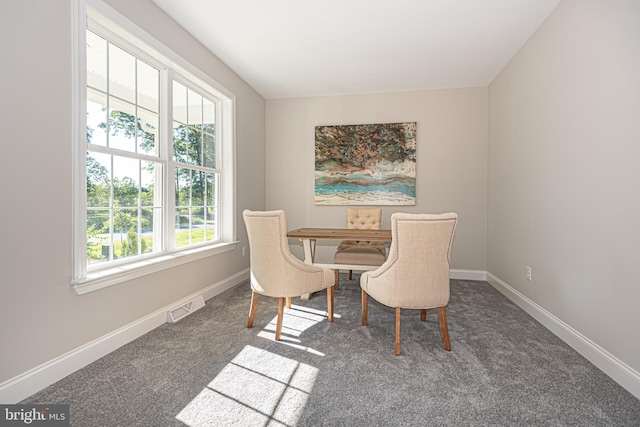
[(309, 246)]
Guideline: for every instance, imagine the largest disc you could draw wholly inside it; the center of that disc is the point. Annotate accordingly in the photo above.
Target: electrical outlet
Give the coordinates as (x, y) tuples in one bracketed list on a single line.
[(244, 251), (528, 273)]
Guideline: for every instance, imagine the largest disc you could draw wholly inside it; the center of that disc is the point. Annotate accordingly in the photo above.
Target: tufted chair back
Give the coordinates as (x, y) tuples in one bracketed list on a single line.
[(364, 219)]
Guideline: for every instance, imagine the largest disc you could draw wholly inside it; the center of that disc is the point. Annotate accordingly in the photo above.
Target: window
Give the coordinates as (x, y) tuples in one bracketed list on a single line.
[(194, 153), (153, 184)]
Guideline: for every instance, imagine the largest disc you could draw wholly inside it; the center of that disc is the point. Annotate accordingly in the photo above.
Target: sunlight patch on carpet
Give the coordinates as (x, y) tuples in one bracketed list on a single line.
[(257, 387), (296, 320)]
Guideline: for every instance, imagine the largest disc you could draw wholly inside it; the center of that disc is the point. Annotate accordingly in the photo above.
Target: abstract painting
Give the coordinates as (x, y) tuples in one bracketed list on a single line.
[(369, 164)]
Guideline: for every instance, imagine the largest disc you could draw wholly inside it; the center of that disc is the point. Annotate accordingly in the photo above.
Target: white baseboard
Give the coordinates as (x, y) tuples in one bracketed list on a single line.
[(22, 386), (468, 274), (620, 372)]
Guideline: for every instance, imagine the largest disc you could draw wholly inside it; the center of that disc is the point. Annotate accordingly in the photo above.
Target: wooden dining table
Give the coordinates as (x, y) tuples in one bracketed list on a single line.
[(309, 236)]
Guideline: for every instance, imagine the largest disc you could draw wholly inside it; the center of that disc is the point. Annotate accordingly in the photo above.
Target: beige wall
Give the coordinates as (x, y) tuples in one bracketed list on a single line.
[(40, 315), (451, 159), (564, 177)]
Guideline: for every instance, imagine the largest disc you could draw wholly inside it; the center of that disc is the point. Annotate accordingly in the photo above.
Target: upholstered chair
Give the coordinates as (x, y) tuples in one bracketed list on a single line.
[(359, 252), (416, 273), (275, 271)]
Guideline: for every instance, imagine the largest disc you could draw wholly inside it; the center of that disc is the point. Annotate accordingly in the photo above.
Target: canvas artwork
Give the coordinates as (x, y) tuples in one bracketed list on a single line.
[(370, 164)]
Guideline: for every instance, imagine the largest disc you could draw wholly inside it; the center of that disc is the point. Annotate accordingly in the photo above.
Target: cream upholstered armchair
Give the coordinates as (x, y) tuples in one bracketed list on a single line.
[(359, 252), (416, 273), (275, 271)]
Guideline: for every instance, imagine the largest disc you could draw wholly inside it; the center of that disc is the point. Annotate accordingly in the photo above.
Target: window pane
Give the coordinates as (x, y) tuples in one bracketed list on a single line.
[(126, 173), (96, 61), (125, 233), (198, 188), (148, 88), (197, 225), (194, 155), (179, 142), (194, 116), (209, 142), (148, 227), (122, 125), (122, 74), (96, 118), (182, 234), (98, 179), (148, 194), (210, 226), (208, 115), (147, 132), (209, 129), (179, 103), (211, 189), (195, 109), (98, 240), (183, 184)]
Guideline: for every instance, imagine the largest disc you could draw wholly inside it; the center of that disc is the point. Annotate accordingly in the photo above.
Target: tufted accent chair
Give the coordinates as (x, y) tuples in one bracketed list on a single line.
[(356, 251), (275, 271), (416, 273)]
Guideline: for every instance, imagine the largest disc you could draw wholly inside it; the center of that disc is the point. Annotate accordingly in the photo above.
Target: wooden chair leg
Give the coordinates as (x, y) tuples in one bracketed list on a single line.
[(253, 308), (397, 331), (423, 314), (288, 300), (330, 303), (280, 316), (337, 279), (365, 307), (350, 274), (444, 329)]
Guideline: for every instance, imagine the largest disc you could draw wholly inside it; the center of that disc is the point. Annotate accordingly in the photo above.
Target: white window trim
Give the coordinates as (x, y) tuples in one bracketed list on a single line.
[(83, 282)]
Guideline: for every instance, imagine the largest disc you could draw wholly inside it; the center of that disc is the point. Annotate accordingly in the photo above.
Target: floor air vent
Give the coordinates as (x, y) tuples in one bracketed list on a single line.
[(177, 313)]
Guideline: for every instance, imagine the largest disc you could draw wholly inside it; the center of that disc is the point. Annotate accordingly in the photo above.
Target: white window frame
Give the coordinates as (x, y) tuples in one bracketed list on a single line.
[(86, 280)]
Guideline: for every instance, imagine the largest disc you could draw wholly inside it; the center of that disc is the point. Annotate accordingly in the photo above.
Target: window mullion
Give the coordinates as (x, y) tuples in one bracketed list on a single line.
[(139, 210), (112, 211), (166, 149), (137, 142), (190, 205), (112, 196)]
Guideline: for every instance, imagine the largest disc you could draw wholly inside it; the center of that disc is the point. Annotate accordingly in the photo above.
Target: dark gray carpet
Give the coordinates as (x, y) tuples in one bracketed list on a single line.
[(210, 370)]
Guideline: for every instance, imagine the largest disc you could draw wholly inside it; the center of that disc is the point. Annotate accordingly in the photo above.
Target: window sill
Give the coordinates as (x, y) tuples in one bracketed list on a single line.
[(113, 276)]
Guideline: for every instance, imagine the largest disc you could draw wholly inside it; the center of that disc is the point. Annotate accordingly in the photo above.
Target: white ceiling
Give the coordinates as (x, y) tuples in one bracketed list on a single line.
[(296, 48)]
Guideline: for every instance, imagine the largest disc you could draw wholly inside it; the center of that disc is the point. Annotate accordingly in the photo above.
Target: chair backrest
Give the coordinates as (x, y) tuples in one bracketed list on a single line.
[(364, 219), (275, 271), (419, 260)]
